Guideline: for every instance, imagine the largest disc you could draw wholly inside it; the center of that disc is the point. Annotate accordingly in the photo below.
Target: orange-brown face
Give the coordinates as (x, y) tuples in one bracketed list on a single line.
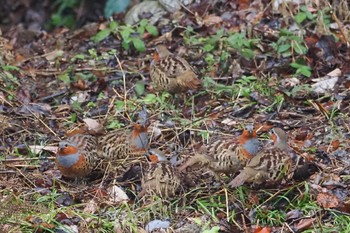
[(67, 150), (156, 56), (246, 135), (138, 128), (153, 158), (273, 137)]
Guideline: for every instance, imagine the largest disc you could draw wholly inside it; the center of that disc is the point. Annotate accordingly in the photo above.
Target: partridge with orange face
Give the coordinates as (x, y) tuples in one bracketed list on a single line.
[(120, 144), (160, 176), (270, 165), (172, 73), (227, 154), (79, 155)]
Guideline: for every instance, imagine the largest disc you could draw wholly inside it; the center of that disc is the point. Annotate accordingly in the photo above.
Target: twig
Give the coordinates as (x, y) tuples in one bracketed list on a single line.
[(42, 122), (27, 159), (124, 85)]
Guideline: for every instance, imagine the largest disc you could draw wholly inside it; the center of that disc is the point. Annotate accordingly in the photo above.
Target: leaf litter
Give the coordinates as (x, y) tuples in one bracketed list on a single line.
[(60, 81)]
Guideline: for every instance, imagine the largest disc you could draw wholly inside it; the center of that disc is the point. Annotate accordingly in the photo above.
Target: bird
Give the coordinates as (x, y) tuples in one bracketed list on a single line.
[(77, 156), (172, 73), (81, 154), (159, 176), (122, 144), (270, 165), (226, 154)]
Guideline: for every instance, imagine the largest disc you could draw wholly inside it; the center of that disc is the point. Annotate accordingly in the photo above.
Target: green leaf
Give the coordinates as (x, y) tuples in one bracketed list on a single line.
[(125, 45), (73, 117), (113, 25), (295, 65), (298, 48), (125, 33), (304, 71), (64, 77), (152, 30), (143, 23), (300, 17), (215, 229), (138, 44), (115, 125), (140, 88), (150, 99), (101, 35), (8, 68), (78, 57), (119, 105), (283, 48), (247, 53), (208, 48)]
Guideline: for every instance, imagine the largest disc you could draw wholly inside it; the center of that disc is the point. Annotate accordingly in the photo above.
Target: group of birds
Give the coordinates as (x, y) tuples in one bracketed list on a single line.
[(240, 157)]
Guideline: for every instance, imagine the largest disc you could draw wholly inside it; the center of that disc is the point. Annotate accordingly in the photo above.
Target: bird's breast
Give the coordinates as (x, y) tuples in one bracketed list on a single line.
[(68, 160)]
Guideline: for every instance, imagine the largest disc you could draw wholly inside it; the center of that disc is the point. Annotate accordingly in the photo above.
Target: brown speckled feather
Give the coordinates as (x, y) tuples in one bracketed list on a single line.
[(226, 154), (172, 73), (160, 177), (270, 165)]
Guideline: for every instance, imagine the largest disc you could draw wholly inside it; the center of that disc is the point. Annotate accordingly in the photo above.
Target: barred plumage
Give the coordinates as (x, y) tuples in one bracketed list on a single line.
[(270, 165), (172, 73), (226, 154), (80, 155), (160, 176)]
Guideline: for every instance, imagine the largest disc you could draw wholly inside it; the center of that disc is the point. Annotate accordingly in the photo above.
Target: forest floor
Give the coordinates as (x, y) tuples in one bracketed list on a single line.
[(287, 68)]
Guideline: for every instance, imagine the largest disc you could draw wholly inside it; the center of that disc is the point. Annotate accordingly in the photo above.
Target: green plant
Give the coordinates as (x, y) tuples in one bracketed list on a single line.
[(131, 35), (242, 44), (64, 15), (289, 43), (303, 14), (301, 69)]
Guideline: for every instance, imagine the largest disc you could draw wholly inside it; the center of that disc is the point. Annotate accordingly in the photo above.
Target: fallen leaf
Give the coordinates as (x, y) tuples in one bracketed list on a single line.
[(117, 195), (93, 126), (326, 83), (211, 19), (51, 56), (262, 230), (304, 224), (327, 200)]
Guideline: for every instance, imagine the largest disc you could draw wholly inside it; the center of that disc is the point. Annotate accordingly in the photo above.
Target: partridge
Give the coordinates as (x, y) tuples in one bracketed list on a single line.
[(121, 144), (79, 155), (160, 176), (172, 73), (270, 165), (226, 154)]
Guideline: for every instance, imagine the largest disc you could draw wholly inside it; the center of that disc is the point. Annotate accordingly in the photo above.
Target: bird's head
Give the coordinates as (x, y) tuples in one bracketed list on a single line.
[(66, 148), (279, 137), (248, 133), (154, 156)]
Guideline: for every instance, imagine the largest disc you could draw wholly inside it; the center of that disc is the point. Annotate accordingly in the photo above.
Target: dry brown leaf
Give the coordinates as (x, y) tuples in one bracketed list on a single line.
[(262, 230), (327, 200), (93, 125), (305, 223), (211, 19)]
